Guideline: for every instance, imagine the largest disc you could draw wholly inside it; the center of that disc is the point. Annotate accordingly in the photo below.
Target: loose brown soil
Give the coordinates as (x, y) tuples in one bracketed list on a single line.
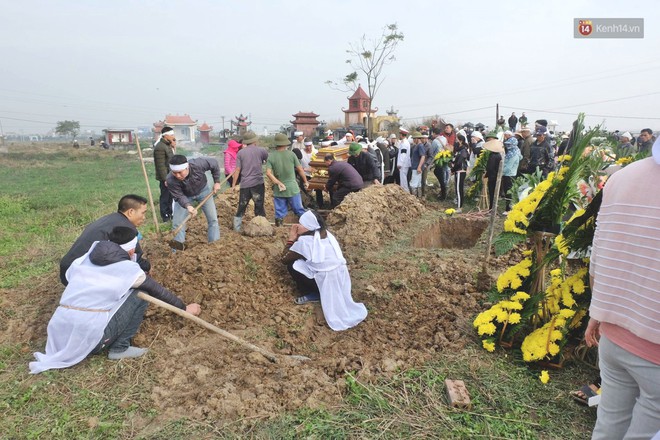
[(420, 303)]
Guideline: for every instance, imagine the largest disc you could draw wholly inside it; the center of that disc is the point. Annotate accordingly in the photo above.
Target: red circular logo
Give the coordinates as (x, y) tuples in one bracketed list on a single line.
[(585, 27)]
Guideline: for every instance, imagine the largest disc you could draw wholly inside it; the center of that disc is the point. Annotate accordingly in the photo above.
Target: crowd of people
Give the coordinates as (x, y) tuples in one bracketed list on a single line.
[(100, 311)]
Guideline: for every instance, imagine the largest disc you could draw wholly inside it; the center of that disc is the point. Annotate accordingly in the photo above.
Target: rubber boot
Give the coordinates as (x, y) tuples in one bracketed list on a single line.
[(238, 221)]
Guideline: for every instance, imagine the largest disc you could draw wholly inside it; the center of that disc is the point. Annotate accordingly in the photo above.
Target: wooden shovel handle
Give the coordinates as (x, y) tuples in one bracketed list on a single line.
[(204, 200), (225, 334)]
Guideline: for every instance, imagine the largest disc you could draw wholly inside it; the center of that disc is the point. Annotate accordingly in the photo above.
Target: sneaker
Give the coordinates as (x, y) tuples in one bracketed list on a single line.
[(130, 352), (309, 298)]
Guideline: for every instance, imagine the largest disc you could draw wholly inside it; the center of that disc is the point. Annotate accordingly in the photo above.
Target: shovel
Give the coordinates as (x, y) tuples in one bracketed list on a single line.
[(177, 244), (275, 358)]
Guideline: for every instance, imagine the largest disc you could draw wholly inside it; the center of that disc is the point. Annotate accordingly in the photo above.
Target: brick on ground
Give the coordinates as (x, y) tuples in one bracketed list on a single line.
[(457, 394)]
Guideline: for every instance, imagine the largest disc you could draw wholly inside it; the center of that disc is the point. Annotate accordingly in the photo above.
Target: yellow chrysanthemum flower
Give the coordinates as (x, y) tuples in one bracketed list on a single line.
[(514, 318), (488, 345), (544, 377), (450, 211), (487, 329)]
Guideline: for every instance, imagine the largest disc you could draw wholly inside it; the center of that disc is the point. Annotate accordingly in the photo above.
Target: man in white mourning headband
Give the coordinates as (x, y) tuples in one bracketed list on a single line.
[(164, 149), (187, 183)]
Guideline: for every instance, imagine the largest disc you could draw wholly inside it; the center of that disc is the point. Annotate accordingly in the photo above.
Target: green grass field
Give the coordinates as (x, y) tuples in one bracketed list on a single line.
[(48, 196)]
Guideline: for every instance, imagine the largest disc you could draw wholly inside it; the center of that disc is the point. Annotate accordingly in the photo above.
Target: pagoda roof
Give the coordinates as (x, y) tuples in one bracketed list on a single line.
[(359, 94), (305, 115), (205, 127), (179, 120)]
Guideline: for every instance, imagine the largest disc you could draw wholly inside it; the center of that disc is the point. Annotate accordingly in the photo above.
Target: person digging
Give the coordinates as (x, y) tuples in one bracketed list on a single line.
[(187, 184)]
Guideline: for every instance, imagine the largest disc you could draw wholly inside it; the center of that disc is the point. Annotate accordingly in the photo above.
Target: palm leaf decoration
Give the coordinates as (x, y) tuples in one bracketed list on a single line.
[(551, 209), (478, 173)]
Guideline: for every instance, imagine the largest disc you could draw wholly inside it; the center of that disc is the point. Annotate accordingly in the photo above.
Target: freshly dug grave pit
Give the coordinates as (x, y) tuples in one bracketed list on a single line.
[(451, 233)]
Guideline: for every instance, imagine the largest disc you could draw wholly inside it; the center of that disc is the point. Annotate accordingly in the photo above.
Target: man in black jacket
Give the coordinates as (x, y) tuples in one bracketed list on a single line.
[(163, 152), (364, 164), (541, 154), (131, 212), (99, 310), (348, 180)]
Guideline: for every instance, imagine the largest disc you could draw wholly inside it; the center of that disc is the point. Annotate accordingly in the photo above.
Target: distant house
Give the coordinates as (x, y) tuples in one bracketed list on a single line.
[(184, 127), (115, 136)]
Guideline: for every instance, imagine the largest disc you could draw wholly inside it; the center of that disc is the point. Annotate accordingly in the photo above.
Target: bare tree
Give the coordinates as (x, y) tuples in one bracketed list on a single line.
[(368, 57)]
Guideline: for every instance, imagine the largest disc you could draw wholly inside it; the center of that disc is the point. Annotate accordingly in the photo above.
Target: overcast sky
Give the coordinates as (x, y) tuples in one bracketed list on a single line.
[(124, 63)]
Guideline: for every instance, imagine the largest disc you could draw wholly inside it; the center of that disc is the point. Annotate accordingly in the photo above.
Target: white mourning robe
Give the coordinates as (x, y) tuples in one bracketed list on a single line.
[(73, 334), (325, 263)]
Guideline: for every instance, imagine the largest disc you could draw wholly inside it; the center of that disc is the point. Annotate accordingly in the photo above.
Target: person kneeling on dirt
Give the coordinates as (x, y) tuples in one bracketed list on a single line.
[(317, 265), (131, 212), (187, 184), (99, 308)]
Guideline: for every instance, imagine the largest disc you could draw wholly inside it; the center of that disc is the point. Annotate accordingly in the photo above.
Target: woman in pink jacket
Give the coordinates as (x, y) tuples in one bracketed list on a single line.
[(230, 159)]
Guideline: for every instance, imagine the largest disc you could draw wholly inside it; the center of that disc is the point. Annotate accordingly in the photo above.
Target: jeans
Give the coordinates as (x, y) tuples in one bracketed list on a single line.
[(255, 193), (165, 202), (282, 205), (629, 405), (208, 208), (123, 325)]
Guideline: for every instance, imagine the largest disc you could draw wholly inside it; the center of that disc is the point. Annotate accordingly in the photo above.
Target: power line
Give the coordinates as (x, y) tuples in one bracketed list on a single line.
[(573, 113)]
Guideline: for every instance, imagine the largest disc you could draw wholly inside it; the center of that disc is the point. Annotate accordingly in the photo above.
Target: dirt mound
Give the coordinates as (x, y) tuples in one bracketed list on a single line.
[(374, 215), (420, 304)]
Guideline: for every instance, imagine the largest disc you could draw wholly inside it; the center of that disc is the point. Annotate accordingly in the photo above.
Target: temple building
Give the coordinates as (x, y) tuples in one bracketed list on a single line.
[(359, 106), (205, 133), (241, 125), (306, 122)]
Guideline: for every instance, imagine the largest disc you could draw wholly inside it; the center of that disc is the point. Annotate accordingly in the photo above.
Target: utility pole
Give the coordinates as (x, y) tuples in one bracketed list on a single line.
[(223, 127), (497, 113)]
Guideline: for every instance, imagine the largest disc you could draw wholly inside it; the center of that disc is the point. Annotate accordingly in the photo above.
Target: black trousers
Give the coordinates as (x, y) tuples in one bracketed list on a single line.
[(339, 195), (303, 284), (460, 184), (255, 193), (165, 202), (491, 191), (439, 173)]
